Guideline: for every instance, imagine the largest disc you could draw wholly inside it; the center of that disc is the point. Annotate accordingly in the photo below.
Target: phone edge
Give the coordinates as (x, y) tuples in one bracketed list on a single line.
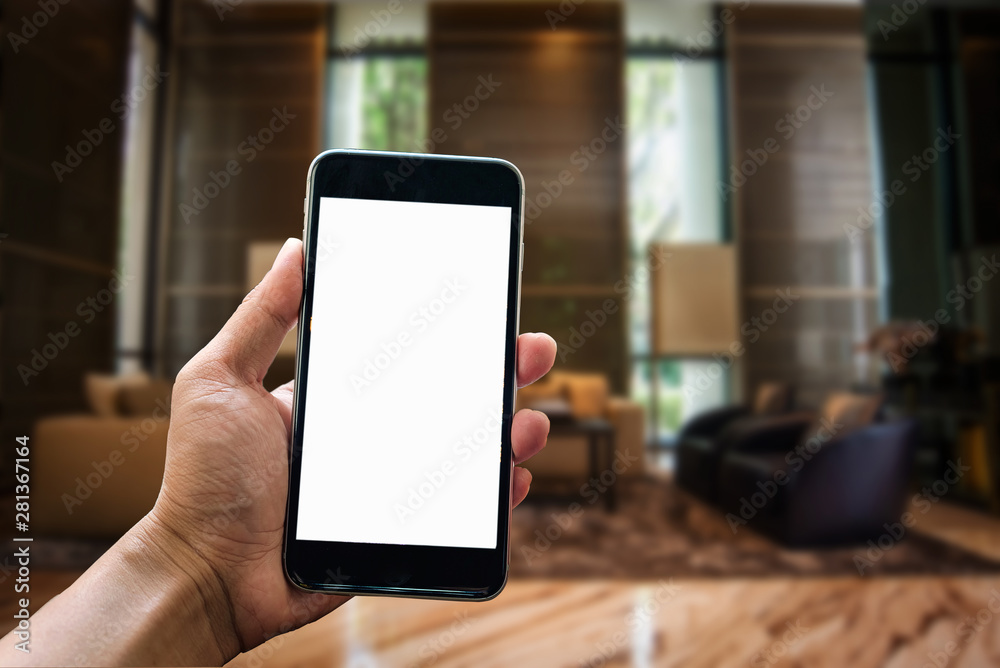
[(306, 241)]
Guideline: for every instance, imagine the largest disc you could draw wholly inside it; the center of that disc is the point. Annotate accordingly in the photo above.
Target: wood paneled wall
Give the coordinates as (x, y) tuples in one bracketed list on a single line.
[(236, 79), (800, 106), (61, 76), (556, 92)]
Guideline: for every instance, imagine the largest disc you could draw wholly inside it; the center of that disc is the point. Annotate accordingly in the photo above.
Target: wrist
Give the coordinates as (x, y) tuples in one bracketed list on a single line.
[(149, 600), (194, 596)]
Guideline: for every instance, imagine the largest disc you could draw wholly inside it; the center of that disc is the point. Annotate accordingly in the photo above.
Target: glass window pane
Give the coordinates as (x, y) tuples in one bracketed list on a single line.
[(137, 170), (683, 388), (642, 390), (700, 128), (674, 158), (378, 103), (674, 151), (690, 26), (670, 402), (394, 103), (357, 25)]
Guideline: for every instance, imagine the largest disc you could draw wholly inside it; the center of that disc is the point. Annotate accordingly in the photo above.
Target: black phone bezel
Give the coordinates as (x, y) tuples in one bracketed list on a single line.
[(389, 569)]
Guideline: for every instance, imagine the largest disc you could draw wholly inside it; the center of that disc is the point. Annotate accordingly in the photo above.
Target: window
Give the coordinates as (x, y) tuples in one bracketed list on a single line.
[(675, 158), (377, 80), (378, 100), (132, 338), (380, 103)]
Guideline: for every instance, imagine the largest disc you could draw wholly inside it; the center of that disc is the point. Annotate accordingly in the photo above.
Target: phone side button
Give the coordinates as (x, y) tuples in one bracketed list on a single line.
[(520, 261)]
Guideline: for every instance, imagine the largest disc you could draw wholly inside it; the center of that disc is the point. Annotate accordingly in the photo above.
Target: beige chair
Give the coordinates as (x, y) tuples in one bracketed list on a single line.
[(96, 474), (583, 396)]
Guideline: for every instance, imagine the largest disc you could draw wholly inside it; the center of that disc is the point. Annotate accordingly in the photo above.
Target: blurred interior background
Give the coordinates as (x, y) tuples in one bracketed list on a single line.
[(764, 236)]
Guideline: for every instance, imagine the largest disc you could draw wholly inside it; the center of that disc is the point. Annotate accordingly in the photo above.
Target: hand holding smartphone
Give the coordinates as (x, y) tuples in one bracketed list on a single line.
[(400, 467)]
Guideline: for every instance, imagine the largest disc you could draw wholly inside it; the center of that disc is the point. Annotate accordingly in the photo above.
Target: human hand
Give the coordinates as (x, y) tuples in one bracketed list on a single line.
[(222, 504)]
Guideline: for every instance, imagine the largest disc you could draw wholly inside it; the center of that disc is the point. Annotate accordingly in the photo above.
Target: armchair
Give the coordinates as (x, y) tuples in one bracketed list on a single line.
[(95, 474), (573, 396), (703, 439), (821, 481)]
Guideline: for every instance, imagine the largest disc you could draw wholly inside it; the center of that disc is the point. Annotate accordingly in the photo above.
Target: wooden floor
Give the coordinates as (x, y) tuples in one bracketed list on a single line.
[(838, 622), (842, 622)]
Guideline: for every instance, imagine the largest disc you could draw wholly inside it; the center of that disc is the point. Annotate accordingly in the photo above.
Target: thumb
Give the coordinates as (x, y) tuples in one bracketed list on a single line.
[(247, 344)]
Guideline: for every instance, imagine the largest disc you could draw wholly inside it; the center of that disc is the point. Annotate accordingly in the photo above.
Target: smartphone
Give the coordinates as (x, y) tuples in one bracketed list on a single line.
[(400, 460)]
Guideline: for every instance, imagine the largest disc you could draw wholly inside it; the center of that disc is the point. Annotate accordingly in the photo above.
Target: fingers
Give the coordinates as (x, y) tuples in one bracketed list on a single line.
[(528, 433), (529, 430), (283, 396), (521, 482), (536, 353), (248, 342), (285, 392)]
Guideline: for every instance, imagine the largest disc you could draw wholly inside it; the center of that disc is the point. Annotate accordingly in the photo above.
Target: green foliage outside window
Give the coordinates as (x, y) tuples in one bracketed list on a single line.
[(653, 156), (394, 103)]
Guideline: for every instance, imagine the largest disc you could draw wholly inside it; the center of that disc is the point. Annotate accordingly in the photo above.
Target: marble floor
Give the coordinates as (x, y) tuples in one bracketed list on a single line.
[(836, 622), (850, 621), (696, 623)]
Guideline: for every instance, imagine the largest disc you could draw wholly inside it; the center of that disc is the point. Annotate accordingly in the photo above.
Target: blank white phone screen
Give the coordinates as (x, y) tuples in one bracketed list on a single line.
[(401, 433)]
